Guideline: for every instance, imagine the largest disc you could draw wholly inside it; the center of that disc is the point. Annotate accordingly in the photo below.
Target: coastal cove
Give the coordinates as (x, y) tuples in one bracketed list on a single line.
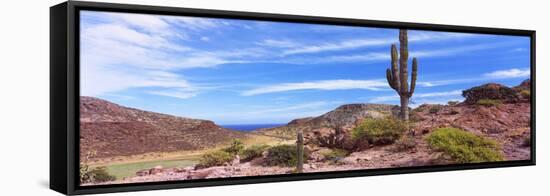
[(250, 127)]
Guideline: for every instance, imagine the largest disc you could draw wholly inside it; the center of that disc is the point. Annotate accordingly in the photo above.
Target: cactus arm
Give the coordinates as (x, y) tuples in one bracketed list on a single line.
[(413, 76), (390, 79)]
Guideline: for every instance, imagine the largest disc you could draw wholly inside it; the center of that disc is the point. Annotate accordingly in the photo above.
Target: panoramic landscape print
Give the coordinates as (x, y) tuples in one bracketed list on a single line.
[(172, 98)]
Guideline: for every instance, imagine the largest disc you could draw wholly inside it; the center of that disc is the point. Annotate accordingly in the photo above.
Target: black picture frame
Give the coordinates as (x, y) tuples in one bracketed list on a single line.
[(64, 93)]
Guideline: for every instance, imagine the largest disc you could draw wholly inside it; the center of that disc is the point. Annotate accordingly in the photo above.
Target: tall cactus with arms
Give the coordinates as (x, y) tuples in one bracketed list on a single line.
[(398, 76)]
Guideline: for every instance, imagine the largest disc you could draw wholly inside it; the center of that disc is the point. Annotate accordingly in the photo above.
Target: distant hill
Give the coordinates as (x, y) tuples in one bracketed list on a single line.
[(112, 130)]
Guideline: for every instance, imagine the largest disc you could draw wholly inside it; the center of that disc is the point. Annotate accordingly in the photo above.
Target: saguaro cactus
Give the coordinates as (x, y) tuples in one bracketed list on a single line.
[(398, 77), (300, 152)]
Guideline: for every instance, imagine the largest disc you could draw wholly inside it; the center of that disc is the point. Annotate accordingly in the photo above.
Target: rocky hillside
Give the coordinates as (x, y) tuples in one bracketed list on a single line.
[(114, 130), (507, 120), (333, 128), (504, 119)]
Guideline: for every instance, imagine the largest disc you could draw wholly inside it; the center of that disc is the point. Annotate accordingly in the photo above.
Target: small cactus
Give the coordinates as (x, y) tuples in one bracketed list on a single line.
[(398, 76), (300, 152)]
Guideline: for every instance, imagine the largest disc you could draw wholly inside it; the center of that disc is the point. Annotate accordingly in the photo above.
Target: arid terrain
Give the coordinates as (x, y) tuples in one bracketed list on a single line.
[(129, 134)]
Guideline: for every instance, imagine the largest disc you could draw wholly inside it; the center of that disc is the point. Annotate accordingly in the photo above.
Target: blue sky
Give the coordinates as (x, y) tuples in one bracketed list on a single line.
[(252, 72)]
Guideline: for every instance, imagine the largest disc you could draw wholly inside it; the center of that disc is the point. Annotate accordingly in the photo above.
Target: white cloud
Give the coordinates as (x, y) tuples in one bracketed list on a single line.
[(319, 85), (510, 73), (176, 93), (414, 36), (311, 105), (390, 98), (277, 43), (123, 51), (347, 44), (385, 56)]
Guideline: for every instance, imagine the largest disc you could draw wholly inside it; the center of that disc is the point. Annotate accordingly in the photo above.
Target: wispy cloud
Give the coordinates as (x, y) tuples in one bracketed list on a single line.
[(177, 93), (277, 43), (302, 106), (124, 51), (347, 44), (391, 98), (319, 85), (415, 36), (509, 73)]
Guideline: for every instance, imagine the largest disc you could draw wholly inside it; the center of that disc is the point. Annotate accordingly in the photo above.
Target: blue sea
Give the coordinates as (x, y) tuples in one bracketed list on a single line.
[(250, 127)]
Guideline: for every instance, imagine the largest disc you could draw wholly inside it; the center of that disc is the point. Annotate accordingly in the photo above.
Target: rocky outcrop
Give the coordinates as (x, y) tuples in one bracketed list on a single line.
[(490, 91), (496, 91), (111, 130)]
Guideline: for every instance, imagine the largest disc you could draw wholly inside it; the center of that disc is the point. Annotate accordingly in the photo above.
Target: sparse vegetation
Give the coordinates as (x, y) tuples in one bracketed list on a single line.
[(435, 109), (380, 131), (464, 147), (404, 144), (489, 102), (525, 93), (334, 154), (253, 152), (235, 148), (215, 158), (95, 175), (283, 155)]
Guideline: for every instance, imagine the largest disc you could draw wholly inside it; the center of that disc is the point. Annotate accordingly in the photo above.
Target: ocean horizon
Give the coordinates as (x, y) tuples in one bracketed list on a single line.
[(250, 127)]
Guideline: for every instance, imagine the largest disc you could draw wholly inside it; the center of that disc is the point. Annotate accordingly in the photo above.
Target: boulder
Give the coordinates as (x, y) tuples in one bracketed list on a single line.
[(155, 170), (144, 172)]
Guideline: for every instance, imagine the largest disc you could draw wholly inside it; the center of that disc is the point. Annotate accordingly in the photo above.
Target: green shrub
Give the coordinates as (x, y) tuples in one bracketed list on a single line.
[(489, 102), (525, 93), (215, 158), (95, 175), (464, 147), (253, 152), (235, 147), (379, 131), (404, 144), (283, 155), (435, 109), (334, 154)]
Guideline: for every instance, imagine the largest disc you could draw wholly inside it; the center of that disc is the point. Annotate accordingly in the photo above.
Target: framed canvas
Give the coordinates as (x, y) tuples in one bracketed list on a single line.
[(146, 97)]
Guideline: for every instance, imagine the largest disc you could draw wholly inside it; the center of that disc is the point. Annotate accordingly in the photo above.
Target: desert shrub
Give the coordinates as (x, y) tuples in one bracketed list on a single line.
[(404, 144), (452, 103), (253, 152), (95, 175), (101, 175), (334, 154), (283, 155), (489, 102), (235, 147), (215, 158), (525, 93), (464, 147), (379, 131), (435, 109)]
